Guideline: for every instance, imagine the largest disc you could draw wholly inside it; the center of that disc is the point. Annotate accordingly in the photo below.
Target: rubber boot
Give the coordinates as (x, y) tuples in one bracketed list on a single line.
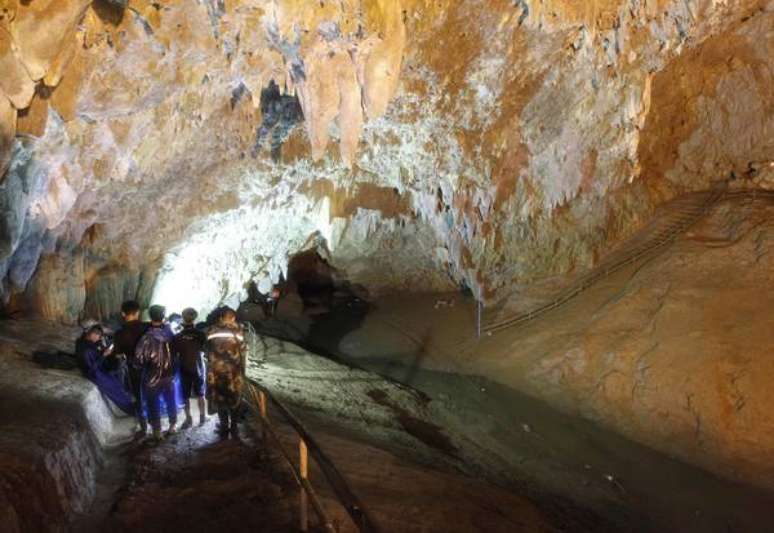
[(143, 431), (223, 425), (234, 427)]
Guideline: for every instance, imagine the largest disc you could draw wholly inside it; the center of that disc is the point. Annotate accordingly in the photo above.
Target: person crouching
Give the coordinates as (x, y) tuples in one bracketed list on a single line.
[(189, 351), (93, 359), (225, 376), (154, 356)]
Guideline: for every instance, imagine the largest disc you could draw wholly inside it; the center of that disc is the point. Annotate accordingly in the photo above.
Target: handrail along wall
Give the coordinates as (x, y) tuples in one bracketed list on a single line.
[(307, 446)]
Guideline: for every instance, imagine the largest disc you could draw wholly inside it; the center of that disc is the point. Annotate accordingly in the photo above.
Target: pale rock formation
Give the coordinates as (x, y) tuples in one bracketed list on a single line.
[(7, 132), (58, 289), (380, 55), (15, 81), (330, 91), (40, 30), (506, 141), (340, 77)]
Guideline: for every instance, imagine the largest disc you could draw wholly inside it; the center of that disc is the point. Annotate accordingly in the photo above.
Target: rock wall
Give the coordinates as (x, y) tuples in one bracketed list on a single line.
[(479, 143), (54, 425), (712, 113), (673, 353)]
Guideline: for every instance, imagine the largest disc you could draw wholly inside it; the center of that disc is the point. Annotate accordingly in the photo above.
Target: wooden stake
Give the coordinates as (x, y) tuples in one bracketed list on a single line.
[(264, 414), (478, 318), (303, 470)]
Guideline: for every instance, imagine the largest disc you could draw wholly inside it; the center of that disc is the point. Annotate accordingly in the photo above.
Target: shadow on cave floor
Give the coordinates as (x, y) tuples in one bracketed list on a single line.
[(427, 343), (318, 311), (559, 459), (563, 463), (193, 481)]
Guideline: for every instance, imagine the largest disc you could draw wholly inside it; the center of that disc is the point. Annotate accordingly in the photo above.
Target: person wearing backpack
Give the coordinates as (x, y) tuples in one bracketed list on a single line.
[(189, 351), (155, 358), (226, 355), (126, 340)]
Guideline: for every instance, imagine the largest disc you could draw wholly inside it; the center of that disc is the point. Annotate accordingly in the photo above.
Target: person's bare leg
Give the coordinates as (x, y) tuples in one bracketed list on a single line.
[(202, 411), (188, 419)]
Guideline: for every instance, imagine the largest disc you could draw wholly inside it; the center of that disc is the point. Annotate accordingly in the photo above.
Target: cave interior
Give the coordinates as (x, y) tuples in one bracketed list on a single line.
[(499, 265)]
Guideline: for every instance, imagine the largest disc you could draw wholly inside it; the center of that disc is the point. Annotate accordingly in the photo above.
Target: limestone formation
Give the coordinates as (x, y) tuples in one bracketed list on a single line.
[(40, 30), (58, 290), (510, 130), (7, 132), (673, 353), (177, 151), (15, 81)]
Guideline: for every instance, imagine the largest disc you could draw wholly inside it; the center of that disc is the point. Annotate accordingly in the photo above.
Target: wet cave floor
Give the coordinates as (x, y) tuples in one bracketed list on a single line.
[(425, 448), (197, 481), (193, 481), (577, 475), (407, 373)]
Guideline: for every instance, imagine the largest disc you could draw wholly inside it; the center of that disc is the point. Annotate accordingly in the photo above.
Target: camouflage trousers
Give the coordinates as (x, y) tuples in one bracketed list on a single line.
[(224, 385)]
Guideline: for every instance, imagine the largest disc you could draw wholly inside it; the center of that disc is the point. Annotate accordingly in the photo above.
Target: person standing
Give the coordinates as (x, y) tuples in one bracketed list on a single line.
[(227, 354), (189, 351), (125, 343), (155, 359), (272, 301)]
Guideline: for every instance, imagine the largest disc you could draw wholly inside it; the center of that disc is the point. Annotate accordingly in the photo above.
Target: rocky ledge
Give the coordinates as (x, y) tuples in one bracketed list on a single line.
[(53, 425)]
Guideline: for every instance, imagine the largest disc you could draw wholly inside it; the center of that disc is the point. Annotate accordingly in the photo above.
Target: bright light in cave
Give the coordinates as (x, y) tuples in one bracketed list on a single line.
[(223, 253)]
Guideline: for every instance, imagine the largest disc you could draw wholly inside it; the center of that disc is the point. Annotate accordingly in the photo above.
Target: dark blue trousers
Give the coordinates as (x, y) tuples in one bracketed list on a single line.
[(154, 397)]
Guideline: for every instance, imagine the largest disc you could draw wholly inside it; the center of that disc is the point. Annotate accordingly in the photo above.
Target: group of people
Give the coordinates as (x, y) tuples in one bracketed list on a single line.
[(149, 368)]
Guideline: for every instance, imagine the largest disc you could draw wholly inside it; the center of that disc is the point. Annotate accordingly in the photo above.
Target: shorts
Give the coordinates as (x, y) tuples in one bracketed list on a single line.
[(192, 384)]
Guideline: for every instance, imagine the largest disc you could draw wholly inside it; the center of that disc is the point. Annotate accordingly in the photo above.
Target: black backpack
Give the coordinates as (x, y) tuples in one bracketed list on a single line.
[(58, 361)]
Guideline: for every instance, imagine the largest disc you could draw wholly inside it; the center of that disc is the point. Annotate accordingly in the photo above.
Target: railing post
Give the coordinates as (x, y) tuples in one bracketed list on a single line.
[(264, 414), (303, 469), (479, 305)]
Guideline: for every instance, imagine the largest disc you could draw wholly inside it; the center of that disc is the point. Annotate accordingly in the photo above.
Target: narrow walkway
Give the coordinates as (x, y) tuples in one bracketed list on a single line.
[(457, 336), (676, 218), (194, 481), (671, 220)]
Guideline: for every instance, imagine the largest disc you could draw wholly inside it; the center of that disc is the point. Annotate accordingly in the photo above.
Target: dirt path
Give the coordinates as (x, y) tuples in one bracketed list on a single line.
[(194, 481)]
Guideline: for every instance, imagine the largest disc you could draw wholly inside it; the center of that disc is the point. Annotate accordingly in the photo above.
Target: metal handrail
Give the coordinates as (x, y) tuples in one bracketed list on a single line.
[(663, 238), (300, 473), (307, 445)]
